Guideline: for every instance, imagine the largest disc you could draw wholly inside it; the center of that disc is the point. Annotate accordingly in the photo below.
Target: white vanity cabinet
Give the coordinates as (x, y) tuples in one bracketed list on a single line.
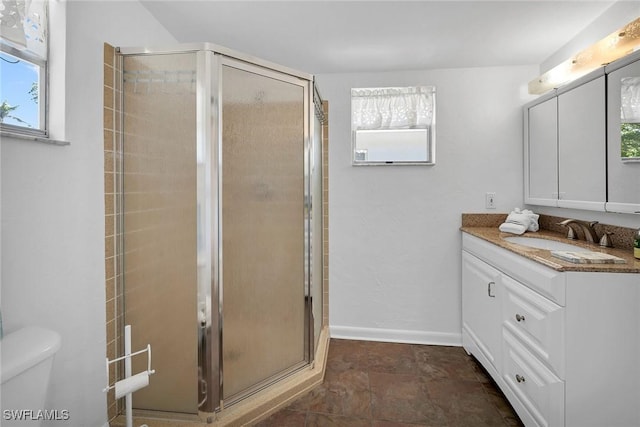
[(568, 349)]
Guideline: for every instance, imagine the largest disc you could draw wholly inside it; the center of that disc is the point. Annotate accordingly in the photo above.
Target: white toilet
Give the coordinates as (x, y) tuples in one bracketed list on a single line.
[(26, 357)]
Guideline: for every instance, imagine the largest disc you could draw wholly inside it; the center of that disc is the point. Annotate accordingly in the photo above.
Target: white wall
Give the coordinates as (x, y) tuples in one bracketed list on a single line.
[(394, 238), (53, 211)]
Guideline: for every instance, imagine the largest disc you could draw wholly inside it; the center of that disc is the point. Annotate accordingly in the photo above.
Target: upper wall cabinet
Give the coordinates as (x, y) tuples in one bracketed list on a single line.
[(540, 152), (581, 144), (623, 135), (565, 133)]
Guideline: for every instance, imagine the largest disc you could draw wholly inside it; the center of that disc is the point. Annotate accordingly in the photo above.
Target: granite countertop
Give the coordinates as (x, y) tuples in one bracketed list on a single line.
[(493, 235)]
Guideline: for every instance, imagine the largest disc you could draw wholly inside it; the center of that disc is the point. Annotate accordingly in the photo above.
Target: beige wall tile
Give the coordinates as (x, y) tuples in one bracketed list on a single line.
[(110, 288), (107, 97), (109, 54), (108, 139), (108, 119), (109, 268), (108, 76)]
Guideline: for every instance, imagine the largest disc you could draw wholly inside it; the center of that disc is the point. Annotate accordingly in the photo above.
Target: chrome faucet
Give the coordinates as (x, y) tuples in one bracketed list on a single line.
[(589, 232)]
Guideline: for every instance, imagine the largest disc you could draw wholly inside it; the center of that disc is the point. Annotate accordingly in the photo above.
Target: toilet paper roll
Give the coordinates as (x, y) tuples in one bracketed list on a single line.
[(131, 384)]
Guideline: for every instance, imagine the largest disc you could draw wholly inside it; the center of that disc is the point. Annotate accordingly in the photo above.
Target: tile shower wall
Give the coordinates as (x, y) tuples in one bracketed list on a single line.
[(112, 138)]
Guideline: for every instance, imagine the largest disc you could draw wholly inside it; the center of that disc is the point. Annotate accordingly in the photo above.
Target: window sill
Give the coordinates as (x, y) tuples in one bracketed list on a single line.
[(392, 163), (35, 138)]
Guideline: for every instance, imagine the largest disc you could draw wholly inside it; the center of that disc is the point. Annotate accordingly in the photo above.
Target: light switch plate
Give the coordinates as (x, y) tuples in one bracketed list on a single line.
[(490, 201)]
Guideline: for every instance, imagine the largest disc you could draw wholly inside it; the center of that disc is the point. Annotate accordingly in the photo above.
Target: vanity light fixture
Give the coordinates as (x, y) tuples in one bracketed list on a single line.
[(620, 43)]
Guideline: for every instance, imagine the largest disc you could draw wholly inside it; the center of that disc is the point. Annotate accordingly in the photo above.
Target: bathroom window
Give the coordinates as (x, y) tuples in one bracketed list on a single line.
[(23, 67), (393, 126)]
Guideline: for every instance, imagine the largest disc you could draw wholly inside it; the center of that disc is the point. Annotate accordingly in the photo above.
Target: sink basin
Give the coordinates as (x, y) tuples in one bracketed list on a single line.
[(538, 243)]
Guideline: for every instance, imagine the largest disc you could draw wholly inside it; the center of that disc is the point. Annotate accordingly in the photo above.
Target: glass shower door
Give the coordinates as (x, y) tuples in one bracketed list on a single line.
[(263, 227), (159, 215)]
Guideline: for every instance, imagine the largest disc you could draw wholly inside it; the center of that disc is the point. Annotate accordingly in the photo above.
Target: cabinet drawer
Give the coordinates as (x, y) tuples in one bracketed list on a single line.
[(537, 322), (539, 391)]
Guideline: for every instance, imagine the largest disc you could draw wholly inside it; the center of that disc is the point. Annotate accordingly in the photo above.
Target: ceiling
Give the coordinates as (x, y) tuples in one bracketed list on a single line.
[(356, 36)]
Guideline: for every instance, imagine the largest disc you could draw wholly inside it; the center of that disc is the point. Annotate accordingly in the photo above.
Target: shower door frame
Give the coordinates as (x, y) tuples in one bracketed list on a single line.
[(210, 60)]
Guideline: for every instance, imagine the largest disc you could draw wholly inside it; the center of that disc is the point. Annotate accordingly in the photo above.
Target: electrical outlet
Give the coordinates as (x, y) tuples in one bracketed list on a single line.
[(490, 200)]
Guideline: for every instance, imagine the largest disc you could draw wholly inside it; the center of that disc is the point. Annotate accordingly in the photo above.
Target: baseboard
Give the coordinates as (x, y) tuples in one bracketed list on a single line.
[(396, 335)]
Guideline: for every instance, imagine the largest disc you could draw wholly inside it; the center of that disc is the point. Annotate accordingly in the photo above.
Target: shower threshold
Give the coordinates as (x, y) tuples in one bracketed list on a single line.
[(259, 405)]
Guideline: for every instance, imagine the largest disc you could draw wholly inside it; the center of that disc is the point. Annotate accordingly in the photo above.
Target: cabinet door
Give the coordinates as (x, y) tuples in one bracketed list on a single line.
[(623, 143), (481, 313), (541, 154), (582, 146)]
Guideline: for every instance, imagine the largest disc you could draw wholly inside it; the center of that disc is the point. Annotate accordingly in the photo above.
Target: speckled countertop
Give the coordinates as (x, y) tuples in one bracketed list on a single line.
[(486, 228)]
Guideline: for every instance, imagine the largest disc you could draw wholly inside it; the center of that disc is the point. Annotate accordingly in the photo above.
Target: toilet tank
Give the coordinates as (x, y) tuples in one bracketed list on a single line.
[(26, 357)]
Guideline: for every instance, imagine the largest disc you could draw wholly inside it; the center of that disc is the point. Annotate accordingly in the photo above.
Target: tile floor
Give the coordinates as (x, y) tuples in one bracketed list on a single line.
[(399, 385)]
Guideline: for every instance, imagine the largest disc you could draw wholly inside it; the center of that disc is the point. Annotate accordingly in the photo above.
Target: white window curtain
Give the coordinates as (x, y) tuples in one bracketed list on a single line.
[(392, 108), (630, 100), (23, 25)]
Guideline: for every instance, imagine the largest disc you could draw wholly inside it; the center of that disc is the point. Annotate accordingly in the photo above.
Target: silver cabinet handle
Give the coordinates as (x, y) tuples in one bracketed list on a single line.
[(519, 378), (489, 289), (519, 318)]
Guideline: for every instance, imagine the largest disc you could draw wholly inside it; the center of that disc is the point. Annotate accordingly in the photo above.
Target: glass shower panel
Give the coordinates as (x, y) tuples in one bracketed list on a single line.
[(263, 249), (316, 228), (160, 230)]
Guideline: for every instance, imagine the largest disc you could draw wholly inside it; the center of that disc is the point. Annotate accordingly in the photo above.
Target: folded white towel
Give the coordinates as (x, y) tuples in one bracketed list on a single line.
[(533, 225), (508, 227), (518, 222)]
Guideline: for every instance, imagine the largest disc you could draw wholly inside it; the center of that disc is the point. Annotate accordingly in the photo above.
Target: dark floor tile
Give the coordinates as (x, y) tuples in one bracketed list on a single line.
[(449, 389), (399, 385), (448, 363), (325, 420), (481, 374), (513, 421), (488, 417), (466, 403), (284, 418), (391, 358), (442, 353), (500, 402), (302, 403), (347, 354), (342, 393), (377, 423), (405, 399)]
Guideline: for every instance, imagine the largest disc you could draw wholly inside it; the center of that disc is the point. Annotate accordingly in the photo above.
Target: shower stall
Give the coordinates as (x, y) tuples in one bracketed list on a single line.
[(219, 222)]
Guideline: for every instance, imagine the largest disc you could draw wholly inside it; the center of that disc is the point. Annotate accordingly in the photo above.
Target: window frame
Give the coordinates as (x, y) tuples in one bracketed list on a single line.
[(430, 128), (43, 94), (34, 50), (358, 152)]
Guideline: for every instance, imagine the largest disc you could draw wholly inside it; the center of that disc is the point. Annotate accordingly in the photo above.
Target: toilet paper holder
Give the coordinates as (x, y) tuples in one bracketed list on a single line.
[(129, 384), (128, 356)]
